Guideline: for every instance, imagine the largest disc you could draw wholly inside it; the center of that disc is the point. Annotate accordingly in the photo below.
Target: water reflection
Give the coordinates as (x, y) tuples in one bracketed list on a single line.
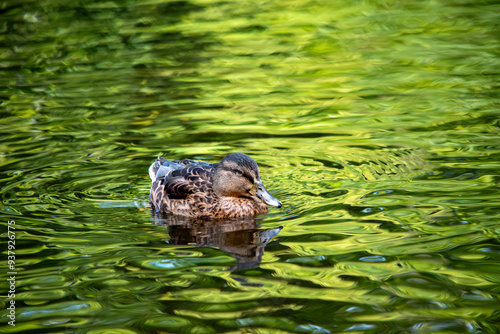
[(240, 238)]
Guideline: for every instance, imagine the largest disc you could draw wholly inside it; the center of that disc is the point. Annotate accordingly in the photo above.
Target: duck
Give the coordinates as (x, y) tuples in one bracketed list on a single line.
[(231, 188)]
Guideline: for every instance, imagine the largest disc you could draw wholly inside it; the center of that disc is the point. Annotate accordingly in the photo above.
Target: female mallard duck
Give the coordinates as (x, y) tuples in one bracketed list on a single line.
[(229, 189)]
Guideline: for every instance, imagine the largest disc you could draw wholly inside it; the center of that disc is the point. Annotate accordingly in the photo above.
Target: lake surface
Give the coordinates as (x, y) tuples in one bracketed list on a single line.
[(375, 123)]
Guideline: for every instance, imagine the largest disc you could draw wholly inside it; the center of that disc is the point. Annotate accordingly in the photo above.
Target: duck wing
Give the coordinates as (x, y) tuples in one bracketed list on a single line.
[(192, 177), (162, 167)]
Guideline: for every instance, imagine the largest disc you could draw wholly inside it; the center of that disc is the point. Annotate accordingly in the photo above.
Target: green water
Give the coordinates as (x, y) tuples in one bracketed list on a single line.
[(375, 123)]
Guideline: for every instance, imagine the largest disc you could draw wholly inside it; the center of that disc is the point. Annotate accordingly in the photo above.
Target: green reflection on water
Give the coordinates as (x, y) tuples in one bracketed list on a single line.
[(374, 122)]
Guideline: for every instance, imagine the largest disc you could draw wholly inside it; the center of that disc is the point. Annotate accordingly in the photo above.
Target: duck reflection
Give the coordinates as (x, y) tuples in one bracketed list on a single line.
[(241, 238)]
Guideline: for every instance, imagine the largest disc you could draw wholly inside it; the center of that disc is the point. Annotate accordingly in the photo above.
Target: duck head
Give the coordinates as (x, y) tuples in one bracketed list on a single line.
[(237, 175)]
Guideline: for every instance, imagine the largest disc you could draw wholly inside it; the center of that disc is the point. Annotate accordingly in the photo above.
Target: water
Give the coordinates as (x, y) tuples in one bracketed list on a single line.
[(374, 122)]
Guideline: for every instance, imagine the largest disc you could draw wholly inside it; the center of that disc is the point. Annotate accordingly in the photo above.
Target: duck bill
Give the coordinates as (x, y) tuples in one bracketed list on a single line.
[(261, 192)]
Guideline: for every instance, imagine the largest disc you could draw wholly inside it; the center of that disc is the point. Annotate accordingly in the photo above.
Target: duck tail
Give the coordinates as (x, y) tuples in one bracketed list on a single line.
[(154, 168)]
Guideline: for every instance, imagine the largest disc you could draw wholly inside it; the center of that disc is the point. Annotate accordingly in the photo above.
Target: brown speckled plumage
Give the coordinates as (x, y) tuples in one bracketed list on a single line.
[(229, 189)]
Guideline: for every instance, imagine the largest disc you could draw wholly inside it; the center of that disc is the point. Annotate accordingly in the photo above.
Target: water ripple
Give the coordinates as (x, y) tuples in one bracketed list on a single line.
[(375, 123)]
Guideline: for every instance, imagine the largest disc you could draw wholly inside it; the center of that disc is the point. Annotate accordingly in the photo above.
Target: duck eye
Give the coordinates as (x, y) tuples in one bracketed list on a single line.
[(239, 172)]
